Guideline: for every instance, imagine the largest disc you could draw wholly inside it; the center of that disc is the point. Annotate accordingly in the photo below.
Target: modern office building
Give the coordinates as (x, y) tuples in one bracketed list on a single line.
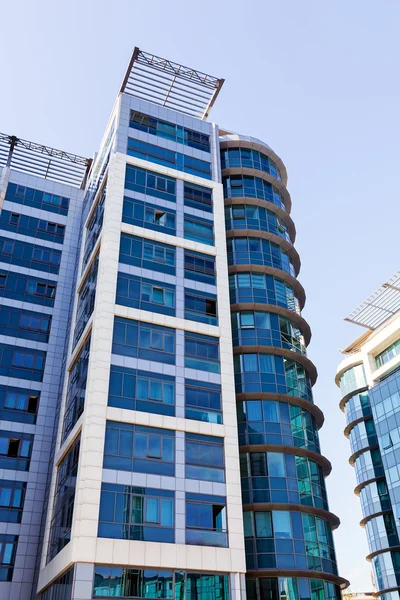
[(152, 316), (369, 380)]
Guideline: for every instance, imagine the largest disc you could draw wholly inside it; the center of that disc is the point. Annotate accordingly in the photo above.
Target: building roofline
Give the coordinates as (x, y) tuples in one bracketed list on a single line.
[(161, 81), (379, 306), (43, 161)]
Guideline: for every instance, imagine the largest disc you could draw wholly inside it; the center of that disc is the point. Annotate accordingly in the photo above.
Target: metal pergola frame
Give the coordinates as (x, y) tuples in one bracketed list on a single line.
[(169, 84), (43, 161), (379, 306)]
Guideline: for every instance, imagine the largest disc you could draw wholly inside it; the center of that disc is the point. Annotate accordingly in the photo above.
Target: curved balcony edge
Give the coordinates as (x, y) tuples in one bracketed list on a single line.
[(385, 591), (266, 235), (372, 555), (352, 424), (343, 401), (275, 350), (313, 409), (343, 583), (234, 140), (287, 201), (365, 520), (282, 214), (323, 462), (305, 509), (289, 279), (361, 485), (355, 455), (293, 316)]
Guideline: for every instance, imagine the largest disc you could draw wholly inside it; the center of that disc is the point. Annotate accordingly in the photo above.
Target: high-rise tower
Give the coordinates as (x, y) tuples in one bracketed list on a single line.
[(287, 523), (369, 382), (180, 230)]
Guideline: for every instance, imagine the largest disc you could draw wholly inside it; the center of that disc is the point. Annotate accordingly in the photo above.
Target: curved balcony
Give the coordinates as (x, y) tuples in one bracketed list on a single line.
[(351, 380), (296, 585), (279, 539), (381, 533), (281, 466), (276, 423), (270, 373), (386, 567), (288, 279), (276, 477), (235, 140), (263, 288), (253, 217), (242, 157), (374, 499), (363, 436), (255, 250), (261, 328), (368, 466), (241, 185), (356, 408)]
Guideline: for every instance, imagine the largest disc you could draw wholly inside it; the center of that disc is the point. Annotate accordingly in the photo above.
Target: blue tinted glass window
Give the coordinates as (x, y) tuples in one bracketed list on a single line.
[(149, 215), (203, 401), (199, 267), (26, 288), (25, 324), (12, 495), (76, 390), (206, 520), (169, 158), (204, 457), (30, 197), (169, 131), (248, 158), (150, 183), (18, 404), (158, 583), (143, 340), (199, 230), (15, 450), (29, 255), (139, 292), (136, 513), (8, 551), (31, 226), (198, 197), (201, 307), (201, 352), (138, 448), (94, 226), (147, 254), (21, 362), (242, 186), (141, 390)]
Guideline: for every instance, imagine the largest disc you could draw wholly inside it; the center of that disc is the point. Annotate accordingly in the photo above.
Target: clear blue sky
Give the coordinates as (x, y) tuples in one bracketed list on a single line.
[(317, 80)]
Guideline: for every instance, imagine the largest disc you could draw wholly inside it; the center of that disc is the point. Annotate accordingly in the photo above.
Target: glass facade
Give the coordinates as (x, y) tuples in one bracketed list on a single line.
[(64, 498), (248, 216), (149, 465), (373, 428), (128, 582), (247, 186), (249, 159), (283, 488), (133, 513)]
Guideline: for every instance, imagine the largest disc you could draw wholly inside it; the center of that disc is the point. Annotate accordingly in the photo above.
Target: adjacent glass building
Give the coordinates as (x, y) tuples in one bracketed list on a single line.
[(369, 381), (153, 353)]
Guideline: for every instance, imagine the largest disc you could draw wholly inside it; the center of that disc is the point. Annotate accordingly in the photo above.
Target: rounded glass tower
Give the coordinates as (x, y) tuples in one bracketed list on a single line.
[(287, 522), (372, 466)]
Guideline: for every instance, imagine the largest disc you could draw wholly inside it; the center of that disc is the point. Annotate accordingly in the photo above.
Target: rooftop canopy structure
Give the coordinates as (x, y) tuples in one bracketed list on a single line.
[(43, 161), (379, 306), (169, 84)]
